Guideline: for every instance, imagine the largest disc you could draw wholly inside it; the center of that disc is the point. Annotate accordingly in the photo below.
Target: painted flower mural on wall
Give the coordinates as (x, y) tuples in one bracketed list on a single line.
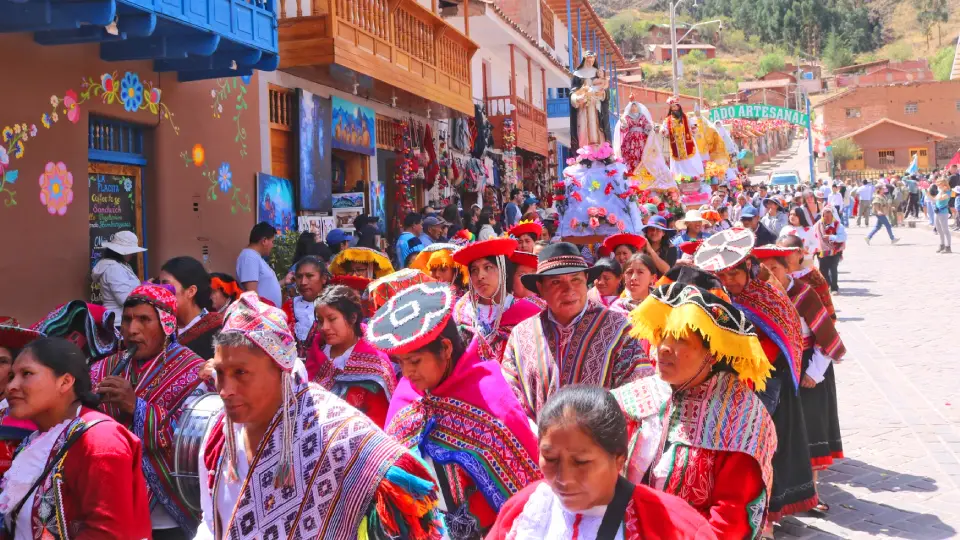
[(56, 188), (131, 92), (220, 179), (73, 108), (134, 93), (225, 88)]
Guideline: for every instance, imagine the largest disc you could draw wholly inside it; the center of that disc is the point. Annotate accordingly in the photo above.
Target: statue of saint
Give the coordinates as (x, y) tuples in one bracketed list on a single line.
[(590, 104)]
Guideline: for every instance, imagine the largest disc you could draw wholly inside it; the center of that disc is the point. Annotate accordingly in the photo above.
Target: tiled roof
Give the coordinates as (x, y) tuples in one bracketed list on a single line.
[(894, 122), (549, 53)]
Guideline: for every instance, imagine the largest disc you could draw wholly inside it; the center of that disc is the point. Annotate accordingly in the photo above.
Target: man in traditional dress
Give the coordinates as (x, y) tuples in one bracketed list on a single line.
[(573, 340), (289, 459), (144, 387), (684, 158)]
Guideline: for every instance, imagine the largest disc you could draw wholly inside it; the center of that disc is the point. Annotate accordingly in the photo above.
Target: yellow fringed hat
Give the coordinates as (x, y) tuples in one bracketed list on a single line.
[(678, 308), (439, 255), (338, 266)]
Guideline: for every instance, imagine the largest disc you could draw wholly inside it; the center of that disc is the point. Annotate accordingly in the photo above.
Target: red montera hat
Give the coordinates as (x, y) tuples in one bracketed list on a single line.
[(502, 246), (526, 227), (635, 240)]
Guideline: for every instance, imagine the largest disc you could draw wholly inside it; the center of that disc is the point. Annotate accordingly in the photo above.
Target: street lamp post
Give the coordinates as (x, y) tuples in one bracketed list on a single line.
[(674, 41)]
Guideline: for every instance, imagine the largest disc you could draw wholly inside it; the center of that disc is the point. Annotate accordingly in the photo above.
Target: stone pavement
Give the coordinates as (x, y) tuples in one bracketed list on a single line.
[(899, 394)]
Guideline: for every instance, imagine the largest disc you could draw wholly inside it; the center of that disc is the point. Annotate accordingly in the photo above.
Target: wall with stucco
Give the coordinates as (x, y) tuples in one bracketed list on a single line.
[(190, 208)]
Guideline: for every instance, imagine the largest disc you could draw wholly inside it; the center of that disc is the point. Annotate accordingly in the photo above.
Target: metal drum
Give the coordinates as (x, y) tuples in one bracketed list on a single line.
[(199, 414)]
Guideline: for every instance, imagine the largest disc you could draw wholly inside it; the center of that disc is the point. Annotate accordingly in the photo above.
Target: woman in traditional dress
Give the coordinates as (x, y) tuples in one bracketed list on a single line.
[(525, 263), (527, 234), (639, 275), (454, 409), (361, 262), (489, 310), (622, 246), (223, 290), (197, 322), (696, 428), (608, 284), (805, 230), (728, 255), (436, 260), (12, 431), (822, 348), (808, 274), (589, 104), (833, 238), (583, 496), (311, 277), (345, 363), (79, 473)]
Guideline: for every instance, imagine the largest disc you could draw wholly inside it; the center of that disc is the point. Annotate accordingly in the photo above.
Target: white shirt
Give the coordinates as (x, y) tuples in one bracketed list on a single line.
[(228, 493), (305, 315), (339, 362), (543, 516), (835, 199), (865, 193)]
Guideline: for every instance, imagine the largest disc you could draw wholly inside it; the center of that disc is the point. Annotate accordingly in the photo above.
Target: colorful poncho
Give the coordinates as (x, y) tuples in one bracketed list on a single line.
[(351, 480), (366, 381), (493, 343), (823, 332), (162, 386), (771, 311), (470, 424), (596, 348)]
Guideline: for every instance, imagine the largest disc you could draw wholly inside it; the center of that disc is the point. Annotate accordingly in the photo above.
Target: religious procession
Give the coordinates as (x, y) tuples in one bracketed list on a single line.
[(644, 357)]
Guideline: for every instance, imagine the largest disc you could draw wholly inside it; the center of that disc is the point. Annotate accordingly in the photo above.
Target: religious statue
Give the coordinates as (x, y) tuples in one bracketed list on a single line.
[(684, 158), (634, 140), (590, 104)]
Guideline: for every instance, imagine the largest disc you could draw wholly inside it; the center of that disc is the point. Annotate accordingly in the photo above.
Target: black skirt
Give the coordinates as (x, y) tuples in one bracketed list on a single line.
[(793, 489), (822, 420)]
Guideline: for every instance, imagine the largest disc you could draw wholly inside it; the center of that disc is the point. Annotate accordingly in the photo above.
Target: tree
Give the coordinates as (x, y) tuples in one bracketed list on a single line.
[(843, 150), (931, 13), (772, 61), (900, 52), (837, 54), (942, 63), (695, 58), (628, 31)]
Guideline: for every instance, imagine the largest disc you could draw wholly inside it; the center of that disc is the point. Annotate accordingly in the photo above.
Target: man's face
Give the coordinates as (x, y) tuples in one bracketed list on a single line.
[(734, 279), (249, 382), (435, 232), (565, 295), (267, 244), (140, 326), (750, 222)]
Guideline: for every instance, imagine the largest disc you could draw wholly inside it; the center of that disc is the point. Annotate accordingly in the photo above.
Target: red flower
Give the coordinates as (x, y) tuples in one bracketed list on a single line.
[(612, 173), (558, 197), (576, 196), (608, 189), (661, 206)]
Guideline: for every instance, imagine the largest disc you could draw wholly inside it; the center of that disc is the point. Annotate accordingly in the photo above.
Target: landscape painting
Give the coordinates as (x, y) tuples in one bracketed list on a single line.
[(315, 154), (354, 127), (275, 202)]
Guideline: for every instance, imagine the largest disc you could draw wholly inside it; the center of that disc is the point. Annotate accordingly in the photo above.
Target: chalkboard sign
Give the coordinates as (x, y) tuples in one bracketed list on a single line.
[(115, 205)]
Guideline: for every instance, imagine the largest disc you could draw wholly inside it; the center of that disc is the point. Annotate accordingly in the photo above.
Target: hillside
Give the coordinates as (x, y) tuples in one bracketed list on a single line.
[(760, 35)]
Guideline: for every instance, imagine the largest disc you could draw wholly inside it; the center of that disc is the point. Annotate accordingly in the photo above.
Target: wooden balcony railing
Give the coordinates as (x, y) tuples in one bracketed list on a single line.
[(529, 121), (399, 42)]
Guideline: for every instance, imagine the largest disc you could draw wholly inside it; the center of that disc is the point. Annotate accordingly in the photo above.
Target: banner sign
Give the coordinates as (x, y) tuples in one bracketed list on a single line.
[(763, 112)]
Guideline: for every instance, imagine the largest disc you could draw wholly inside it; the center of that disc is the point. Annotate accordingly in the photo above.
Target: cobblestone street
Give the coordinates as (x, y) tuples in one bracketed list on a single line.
[(898, 392)]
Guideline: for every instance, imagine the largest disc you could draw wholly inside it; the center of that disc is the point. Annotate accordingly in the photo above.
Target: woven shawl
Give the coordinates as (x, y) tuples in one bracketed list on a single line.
[(772, 312), (818, 319)]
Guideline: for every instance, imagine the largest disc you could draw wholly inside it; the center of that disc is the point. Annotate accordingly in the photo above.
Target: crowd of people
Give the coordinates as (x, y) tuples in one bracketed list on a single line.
[(488, 383)]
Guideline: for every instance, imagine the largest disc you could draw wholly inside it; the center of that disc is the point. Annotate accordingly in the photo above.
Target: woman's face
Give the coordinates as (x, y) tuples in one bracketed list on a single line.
[(638, 281), (519, 290), (485, 277), (443, 274), (579, 471), (681, 360), (811, 199), (336, 329), (35, 389), (219, 299), (777, 270), (608, 284), (424, 369), (526, 242), (310, 281), (653, 234), (184, 296), (794, 220), (622, 253), (6, 366), (358, 269)]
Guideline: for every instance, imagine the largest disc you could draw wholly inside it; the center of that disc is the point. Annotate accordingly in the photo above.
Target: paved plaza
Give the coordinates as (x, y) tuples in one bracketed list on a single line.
[(898, 393)]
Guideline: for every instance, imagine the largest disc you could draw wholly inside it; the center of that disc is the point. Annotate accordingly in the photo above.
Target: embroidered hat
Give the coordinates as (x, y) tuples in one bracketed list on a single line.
[(612, 242), (264, 325), (556, 260), (524, 258), (163, 299), (380, 291), (439, 255), (501, 246), (533, 227), (14, 336), (382, 266), (724, 249), (677, 309), (690, 247), (356, 283), (770, 251), (411, 319), (89, 326)]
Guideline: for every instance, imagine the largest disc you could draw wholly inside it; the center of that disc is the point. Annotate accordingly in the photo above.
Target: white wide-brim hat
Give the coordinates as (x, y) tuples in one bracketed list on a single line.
[(691, 215), (124, 243)]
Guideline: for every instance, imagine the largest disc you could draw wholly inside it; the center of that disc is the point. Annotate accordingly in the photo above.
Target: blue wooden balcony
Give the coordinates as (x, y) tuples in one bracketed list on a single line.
[(558, 108), (198, 39)]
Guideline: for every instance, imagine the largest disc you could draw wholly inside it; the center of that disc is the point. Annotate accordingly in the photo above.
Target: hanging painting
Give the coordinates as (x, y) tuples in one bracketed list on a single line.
[(354, 127), (378, 205), (275, 202), (314, 135), (312, 224), (348, 200)]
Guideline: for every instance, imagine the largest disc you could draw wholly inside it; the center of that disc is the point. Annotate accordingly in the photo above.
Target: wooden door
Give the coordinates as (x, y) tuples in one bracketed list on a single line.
[(922, 158)]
